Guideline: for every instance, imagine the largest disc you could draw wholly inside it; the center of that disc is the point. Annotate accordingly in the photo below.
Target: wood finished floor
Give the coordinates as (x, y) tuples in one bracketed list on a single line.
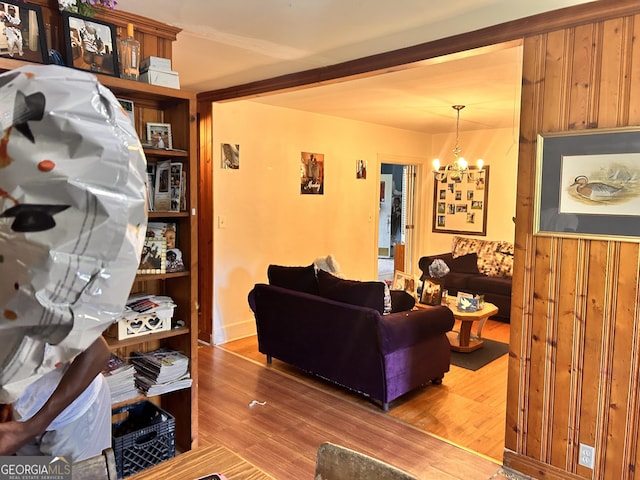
[(282, 436)]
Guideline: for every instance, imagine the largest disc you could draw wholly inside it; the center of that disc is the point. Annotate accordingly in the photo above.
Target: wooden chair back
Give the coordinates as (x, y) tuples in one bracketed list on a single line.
[(99, 467), (335, 462)]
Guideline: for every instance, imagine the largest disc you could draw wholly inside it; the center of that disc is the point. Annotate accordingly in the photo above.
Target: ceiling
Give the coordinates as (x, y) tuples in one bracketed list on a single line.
[(225, 43)]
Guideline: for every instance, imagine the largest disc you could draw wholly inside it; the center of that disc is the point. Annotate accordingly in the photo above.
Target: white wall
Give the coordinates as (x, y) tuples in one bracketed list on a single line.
[(266, 219)]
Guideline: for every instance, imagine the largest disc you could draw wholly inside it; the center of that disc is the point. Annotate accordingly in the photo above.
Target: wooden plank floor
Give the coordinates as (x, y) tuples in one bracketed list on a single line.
[(282, 436), (468, 409)]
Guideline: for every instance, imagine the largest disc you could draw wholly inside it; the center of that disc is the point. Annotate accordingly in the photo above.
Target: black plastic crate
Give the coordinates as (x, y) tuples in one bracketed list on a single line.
[(144, 438)]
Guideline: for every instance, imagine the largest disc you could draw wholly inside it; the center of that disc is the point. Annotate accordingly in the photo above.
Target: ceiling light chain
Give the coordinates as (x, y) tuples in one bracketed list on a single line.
[(460, 166)]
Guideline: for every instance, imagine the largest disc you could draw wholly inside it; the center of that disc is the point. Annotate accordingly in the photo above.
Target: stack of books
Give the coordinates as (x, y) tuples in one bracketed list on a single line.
[(120, 378), (161, 371)]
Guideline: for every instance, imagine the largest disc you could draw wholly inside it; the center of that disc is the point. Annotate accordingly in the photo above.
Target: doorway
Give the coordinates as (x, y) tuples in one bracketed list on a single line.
[(395, 227)]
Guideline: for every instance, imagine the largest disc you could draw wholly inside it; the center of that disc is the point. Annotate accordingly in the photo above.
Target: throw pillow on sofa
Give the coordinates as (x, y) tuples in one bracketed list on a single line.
[(401, 301), (302, 279), (363, 294), (490, 253)]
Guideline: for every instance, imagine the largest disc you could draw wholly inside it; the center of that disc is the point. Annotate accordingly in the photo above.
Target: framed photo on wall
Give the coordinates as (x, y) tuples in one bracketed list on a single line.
[(90, 44), (23, 35), (460, 202), (587, 184)]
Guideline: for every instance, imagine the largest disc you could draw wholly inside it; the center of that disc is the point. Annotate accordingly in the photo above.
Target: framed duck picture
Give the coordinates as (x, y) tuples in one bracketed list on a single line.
[(588, 184)]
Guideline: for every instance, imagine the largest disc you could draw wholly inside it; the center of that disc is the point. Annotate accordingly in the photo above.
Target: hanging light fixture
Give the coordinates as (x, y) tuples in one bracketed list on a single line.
[(459, 167)]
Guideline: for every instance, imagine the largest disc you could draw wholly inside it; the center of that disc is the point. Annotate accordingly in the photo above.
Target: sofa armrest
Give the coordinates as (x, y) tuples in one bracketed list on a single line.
[(403, 329)]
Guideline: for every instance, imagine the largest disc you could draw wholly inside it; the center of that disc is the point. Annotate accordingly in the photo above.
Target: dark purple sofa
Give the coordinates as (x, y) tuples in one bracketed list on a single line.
[(357, 347)]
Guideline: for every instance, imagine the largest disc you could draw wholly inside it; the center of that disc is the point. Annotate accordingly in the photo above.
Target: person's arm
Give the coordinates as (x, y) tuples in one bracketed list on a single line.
[(75, 380)]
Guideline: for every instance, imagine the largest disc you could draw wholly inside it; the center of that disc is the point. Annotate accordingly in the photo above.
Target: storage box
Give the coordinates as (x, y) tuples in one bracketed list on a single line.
[(155, 63), (144, 438), (161, 78), (142, 324)]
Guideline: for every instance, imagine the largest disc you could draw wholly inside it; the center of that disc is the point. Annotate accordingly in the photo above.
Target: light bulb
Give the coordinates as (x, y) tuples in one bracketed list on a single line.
[(463, 163), (436, 164), (480, 164)]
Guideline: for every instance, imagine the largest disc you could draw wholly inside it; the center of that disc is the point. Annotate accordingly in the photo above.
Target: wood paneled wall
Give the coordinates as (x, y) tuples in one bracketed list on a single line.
[(575, 339)]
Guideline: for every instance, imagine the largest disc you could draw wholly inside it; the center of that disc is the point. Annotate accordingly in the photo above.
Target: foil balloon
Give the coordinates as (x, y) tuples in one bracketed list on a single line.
[(72, 216)]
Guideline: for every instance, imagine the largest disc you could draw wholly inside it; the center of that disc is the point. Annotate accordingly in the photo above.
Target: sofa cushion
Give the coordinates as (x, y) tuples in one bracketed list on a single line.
[(501, 266), (455, 281), (302, 279), (465, 263), (354, 292), (489, 285)]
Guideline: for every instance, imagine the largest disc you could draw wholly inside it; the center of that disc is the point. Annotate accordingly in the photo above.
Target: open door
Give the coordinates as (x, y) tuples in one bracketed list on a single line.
[(396, 220), (384, 227)]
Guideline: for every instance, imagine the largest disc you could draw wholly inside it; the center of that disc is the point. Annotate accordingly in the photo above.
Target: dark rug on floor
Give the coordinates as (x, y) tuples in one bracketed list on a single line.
[(479, 358)]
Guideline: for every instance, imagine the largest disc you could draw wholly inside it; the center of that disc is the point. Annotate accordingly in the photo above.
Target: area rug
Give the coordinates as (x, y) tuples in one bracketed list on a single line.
[(477, 359)]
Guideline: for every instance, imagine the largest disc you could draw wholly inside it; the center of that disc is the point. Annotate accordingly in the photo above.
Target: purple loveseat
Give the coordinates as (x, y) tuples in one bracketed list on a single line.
[(354, 346)]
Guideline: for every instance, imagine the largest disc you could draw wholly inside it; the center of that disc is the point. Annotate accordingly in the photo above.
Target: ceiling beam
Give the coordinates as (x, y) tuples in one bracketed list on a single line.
[(407, 57)]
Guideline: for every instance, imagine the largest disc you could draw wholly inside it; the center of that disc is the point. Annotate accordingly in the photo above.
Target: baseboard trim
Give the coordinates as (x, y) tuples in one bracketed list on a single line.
[(535, 468), (235, 331)]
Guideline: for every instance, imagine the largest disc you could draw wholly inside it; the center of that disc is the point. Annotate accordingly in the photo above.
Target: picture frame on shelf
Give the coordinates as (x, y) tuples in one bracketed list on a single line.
[(23, 33), (127, 106), (153, 259), (162, 190), (159, 135), (586, 184), (431, 292), (175, 178), (405, 281), (168, 231), (90, 44)]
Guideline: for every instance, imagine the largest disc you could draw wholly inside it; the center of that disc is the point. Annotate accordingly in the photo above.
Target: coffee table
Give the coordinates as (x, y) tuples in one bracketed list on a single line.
[(464, 341)]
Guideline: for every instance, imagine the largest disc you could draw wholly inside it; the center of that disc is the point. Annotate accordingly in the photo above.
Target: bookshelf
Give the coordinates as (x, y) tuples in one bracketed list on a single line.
[(155, 104), (178, 108)]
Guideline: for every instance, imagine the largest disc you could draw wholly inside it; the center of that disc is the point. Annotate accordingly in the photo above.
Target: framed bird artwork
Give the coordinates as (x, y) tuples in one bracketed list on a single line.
[(588, 184)]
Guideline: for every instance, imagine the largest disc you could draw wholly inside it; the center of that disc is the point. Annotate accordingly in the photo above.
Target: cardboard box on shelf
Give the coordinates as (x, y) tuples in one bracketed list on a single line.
[(161, 78), (155, 63)]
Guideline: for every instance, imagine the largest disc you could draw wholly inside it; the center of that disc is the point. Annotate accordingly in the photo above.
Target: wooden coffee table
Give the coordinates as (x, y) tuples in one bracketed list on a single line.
[(464, 341)]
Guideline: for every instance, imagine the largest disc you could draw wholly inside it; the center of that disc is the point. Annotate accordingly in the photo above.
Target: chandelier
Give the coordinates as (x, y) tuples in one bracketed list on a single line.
[(459, 167)]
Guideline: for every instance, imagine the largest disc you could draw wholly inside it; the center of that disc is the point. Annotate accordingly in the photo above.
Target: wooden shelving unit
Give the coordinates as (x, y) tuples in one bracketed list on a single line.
[(165, 105)]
